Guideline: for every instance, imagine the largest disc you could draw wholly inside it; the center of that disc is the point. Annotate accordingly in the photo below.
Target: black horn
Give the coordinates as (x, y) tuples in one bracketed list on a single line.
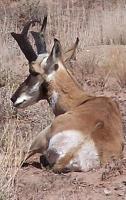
[(39, 38), (24, 43)]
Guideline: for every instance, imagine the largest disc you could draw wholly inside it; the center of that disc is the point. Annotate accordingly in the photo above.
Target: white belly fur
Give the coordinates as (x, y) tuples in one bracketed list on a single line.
[(87, 156)]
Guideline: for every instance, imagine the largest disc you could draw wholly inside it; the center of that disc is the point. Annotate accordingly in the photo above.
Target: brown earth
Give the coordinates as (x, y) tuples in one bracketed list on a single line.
[(34, 183)]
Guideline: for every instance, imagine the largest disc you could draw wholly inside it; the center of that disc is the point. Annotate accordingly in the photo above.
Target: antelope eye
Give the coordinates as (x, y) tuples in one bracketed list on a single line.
[(56, 67)]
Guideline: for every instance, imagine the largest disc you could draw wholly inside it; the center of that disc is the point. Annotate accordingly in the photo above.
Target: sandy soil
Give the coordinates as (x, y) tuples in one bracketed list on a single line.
[(35, 183)]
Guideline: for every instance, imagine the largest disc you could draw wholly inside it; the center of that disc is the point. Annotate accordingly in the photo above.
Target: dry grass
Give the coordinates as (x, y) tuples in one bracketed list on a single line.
[(11, 145), (118, 64), (94, 23)]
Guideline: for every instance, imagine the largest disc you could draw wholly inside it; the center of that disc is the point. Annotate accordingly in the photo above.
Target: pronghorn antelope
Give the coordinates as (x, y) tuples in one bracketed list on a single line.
[(87, 131)]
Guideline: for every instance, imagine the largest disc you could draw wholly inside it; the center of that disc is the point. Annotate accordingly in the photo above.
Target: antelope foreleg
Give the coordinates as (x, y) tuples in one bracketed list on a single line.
[(39, 144)]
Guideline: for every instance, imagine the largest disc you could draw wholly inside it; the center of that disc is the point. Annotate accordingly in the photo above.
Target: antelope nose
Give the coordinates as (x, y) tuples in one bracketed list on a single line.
[(13, 99)]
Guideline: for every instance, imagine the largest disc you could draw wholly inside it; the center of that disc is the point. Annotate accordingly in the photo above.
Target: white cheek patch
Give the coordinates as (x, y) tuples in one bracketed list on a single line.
[(22, 98), (87, 158), (35, 87)]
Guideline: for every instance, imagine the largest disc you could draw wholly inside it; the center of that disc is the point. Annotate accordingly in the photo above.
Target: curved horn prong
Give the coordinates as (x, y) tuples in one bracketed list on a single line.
[(27, 26), (39, 42), (25, 46), (40, 39), (24, 43), (44, 25), (70, 53)]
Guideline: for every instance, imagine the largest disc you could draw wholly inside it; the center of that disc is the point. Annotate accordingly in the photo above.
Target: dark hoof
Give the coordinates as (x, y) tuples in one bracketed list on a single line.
[(43, 161)]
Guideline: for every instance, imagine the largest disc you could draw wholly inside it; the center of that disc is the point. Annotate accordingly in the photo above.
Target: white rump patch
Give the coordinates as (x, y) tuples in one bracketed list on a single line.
[(85, 155), (64, 141), (22, 98)]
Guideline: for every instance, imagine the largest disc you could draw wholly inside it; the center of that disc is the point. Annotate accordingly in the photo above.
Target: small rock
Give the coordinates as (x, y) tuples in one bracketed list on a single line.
[(107, 192), (124, 182), (121, 193), (118, 187)]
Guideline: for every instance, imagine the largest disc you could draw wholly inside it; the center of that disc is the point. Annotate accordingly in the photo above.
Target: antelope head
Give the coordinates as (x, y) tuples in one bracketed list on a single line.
[(35, 87), (32, 89), (62, 91)]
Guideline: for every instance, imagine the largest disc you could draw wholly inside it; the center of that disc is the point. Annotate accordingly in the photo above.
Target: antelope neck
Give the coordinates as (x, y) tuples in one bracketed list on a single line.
[(64, 93)]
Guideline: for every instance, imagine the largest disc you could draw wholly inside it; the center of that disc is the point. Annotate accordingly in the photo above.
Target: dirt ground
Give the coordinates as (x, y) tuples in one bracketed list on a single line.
[(35, 183)]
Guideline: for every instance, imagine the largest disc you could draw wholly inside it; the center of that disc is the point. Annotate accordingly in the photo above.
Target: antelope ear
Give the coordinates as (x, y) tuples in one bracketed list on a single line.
[(56, 52), (55, 55), (71, 53)]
